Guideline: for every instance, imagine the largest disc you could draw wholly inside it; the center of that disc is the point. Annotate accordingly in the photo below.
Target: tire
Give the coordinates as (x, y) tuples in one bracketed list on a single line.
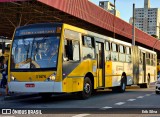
[(122, 87), (87, 89), (157, 92)]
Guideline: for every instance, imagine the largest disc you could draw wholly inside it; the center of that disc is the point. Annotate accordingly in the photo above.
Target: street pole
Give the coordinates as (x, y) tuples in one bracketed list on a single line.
[(114, 19), (155, 44), (133, 27)]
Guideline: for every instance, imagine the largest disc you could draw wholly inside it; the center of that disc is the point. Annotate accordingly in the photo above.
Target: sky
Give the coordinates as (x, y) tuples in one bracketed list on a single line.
[(125, 6)]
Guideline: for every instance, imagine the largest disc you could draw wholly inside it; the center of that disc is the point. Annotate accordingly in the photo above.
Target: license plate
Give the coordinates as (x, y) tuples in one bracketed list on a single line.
[(30, 85)]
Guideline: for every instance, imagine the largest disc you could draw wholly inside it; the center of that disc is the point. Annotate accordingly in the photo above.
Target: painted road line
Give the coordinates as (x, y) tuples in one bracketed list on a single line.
[(148, 94), (106, 107), (119, 103), (131, 100), (81, 115), (140, 96)]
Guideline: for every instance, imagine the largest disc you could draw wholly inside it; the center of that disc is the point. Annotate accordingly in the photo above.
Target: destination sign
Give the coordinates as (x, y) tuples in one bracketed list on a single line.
[(33, 31)]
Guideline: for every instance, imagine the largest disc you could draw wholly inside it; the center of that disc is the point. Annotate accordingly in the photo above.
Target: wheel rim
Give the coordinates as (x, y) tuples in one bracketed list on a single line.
[(87, 88)]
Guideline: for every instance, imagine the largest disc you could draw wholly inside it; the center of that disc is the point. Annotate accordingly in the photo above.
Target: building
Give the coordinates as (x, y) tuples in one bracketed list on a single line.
[(147, 19), (108, 6)]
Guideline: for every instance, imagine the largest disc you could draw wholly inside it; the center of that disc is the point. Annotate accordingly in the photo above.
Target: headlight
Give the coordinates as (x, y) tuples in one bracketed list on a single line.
[(13, 78), (52, 77)]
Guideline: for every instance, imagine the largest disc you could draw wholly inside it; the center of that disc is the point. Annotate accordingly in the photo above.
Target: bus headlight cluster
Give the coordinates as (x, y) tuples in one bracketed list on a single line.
[(52, 77), (13, 78)]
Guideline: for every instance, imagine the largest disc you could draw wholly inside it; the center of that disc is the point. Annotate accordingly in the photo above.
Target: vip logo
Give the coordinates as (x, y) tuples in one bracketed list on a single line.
[(6, 111)]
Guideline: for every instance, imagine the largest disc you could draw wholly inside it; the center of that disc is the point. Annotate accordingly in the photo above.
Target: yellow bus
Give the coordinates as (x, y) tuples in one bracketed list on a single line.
[(158, 68), (57, 57)]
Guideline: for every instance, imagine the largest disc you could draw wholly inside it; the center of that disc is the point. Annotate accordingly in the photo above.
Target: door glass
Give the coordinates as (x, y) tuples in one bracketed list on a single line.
[(99, 54)]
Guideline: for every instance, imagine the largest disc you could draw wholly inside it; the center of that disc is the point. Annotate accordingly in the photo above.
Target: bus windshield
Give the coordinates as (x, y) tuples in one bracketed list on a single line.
[(35, 53)]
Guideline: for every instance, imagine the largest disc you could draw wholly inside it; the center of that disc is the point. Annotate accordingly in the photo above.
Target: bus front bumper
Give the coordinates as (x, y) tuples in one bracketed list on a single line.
[(35, 86)]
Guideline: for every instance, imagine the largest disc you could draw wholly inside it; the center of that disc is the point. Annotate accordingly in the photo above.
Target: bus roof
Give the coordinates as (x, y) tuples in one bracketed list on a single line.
[(147, 50), (70, 27)]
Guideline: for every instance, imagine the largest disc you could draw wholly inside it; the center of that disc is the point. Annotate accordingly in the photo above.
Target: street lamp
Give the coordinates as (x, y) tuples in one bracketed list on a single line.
[(114, 7), (133, 26)]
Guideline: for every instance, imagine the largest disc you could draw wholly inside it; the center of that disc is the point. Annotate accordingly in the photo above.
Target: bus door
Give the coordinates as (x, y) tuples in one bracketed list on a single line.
[(100, 64), (144, 66)]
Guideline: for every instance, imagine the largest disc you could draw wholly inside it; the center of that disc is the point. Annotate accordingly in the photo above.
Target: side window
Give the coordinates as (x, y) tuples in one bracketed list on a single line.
[(114, 53), (107, 46), (128, 54), (140, 57), (128, 50), (114, 47), (154, 60), (88, 49), (71, 50), (121, 49), (76, 51), (121, 53), (151, 57), (107, 52), (69, 34), (71, 45), (148, 58)]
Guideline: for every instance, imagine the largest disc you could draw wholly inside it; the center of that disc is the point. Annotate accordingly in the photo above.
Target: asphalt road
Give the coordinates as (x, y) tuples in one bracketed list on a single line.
[(136, 101)]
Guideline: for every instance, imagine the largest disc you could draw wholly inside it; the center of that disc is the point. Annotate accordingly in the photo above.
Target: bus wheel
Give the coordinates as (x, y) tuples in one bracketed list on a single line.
[(122, 87), (87, 89), (45, 95)]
